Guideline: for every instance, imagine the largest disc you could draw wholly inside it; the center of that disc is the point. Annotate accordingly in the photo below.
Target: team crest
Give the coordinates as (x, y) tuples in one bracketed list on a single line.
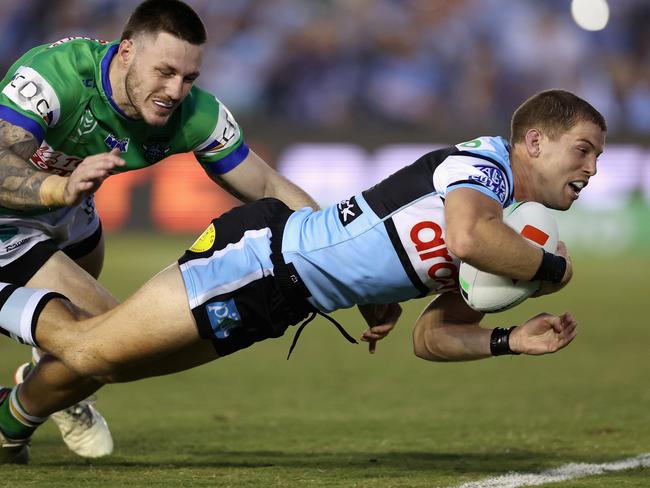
[(493, 179), (155, 151)]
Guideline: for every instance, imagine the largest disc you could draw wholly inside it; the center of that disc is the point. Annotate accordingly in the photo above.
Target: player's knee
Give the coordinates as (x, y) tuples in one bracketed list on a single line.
[(89, 361)]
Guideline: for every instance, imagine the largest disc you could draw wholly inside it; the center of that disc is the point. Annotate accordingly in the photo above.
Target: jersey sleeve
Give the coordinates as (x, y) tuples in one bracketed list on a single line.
[(224, 147), (35, 89), (471, 171)]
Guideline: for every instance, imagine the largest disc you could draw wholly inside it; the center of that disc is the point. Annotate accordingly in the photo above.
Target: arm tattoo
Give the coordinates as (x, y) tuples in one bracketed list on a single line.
[(20, 181)]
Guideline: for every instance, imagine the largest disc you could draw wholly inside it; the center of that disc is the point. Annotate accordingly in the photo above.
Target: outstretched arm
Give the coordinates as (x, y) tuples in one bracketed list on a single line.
[(448, 330), (475, 232), (253, 179), (23, 186), (20, 181), (381, 319)]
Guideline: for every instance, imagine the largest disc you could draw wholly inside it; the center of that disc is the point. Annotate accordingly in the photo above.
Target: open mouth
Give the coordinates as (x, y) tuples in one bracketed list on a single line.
[(163, 105), (576, 187)]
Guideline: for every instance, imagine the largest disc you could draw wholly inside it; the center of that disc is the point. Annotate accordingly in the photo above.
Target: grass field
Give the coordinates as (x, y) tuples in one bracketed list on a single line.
[(335, 416)]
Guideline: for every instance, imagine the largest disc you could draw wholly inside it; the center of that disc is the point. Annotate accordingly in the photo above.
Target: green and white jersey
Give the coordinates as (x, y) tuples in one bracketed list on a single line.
[(61, 93)]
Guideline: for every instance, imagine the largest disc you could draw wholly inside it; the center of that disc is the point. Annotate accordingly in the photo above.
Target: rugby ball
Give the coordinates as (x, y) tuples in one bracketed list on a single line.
[(487, 292)]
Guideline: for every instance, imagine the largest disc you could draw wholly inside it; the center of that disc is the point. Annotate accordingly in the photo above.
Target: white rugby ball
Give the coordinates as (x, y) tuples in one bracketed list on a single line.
[(487, 292)]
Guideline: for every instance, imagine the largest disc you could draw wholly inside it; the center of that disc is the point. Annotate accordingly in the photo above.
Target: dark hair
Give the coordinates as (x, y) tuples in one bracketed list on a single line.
[(171, 16), (554, 112)]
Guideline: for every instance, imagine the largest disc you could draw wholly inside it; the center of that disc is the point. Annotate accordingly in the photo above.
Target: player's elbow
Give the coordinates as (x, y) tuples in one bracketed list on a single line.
[(462, 243), (467, 239), (424, 344)]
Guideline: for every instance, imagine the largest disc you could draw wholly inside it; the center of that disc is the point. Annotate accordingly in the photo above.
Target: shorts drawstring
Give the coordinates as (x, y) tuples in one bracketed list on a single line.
[(312, 316)]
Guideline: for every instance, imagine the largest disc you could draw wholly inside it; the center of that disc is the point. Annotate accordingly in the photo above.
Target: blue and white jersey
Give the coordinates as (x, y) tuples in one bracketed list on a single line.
[(387, 244)]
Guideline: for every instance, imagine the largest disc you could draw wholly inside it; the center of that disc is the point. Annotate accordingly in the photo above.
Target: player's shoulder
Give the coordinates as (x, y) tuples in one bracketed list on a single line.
[(203, 114), (63, 66), (489, 147), (65, 57), (200, 104)]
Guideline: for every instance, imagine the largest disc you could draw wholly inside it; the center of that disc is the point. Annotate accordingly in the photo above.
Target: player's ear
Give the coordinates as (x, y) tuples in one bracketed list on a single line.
[(532, 140), (126, 51)]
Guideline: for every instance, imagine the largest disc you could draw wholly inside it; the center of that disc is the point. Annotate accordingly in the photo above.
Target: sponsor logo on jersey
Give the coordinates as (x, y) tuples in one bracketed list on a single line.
[(348, 210), (112, 142), (421, 232), (225, 134), (205, 240), (493, 179), (74, 38), (15, 245), (224, 317), (432, 252), (155, 151), (55, 162), (32, 93), (482, 143)]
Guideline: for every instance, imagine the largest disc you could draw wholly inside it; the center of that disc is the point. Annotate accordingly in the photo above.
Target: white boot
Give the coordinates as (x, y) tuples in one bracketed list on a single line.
[(82, 427)]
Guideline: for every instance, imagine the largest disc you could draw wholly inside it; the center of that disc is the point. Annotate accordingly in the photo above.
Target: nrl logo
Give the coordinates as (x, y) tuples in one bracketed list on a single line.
[(155, 151), (86, 125)]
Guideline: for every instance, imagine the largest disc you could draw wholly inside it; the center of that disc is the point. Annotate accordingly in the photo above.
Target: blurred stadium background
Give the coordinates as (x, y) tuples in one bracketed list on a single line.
[(337, 94)]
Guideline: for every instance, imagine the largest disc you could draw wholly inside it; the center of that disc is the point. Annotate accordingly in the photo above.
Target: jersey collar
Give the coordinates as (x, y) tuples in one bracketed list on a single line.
[(106, 82)]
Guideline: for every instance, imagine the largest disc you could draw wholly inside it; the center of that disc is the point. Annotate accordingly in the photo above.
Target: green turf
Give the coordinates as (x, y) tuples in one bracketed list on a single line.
[(335, 416)]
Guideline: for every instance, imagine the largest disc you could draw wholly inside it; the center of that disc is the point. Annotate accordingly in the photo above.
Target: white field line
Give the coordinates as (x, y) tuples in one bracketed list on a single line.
[(563, 473)]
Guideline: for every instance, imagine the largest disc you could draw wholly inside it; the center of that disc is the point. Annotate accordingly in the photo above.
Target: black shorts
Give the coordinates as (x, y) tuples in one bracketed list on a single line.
[(239, 288)]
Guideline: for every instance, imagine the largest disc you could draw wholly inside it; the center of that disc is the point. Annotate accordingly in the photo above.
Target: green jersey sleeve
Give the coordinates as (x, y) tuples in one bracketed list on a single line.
[(40, 84), (218, 140)]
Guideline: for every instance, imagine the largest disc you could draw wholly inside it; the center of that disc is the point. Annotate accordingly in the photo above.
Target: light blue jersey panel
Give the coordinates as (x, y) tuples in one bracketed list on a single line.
[(345, 265)]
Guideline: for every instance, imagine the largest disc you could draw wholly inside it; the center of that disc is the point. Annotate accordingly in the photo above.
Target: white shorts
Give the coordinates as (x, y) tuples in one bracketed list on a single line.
[(61, 229)]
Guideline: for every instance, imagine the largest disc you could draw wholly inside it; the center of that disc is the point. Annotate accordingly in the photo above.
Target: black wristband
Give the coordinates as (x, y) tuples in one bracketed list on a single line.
[(500, 341), (551, 268)]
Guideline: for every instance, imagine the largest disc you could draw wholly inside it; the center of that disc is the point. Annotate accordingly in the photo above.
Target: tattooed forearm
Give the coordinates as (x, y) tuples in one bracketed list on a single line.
[(20, 181)]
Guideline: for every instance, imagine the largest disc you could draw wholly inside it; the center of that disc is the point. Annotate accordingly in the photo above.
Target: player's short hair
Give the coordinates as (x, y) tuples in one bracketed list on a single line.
[(553, 112), (171, 16)]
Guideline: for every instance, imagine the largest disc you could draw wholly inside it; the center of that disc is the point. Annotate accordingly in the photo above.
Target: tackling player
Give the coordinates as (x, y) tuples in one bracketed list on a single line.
[(74, 112), (262, 267)]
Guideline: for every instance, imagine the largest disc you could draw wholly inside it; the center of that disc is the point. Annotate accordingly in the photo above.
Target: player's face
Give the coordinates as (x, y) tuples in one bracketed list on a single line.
[(567, 163), (160, 75)]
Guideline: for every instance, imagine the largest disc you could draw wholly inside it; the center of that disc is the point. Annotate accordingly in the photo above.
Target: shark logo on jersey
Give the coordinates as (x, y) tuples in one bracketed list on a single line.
[(493, 179), (32, 93), (348, 210), (224, 317), (113, 142)]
